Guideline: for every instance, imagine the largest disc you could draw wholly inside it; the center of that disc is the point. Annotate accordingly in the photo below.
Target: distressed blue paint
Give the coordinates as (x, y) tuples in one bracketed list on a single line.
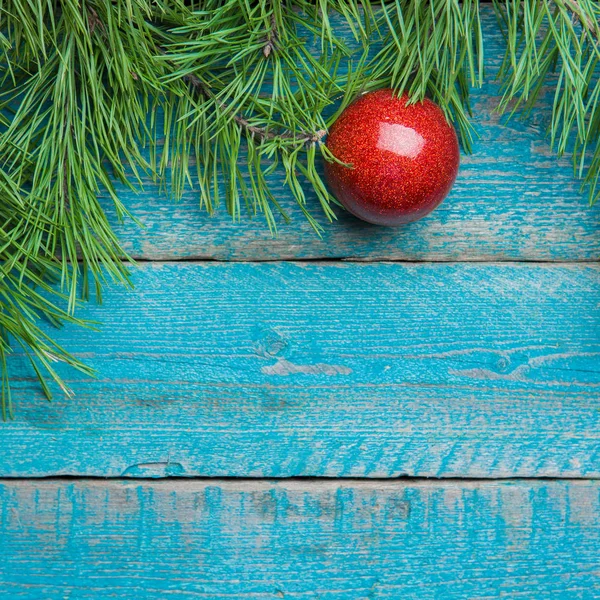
[(330, 370), (329, 540), (283, 369), (513, 200)]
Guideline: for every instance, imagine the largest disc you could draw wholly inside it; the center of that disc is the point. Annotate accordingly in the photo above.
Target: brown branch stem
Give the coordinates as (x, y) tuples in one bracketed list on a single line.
[(272, 38), (259, 133), (588, 24)]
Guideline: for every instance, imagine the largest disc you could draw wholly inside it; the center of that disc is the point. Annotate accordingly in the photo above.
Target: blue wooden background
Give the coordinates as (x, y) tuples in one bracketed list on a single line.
[(464, 347)]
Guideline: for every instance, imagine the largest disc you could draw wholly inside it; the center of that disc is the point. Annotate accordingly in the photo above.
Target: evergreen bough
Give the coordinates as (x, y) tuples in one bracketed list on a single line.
[(216, 95)]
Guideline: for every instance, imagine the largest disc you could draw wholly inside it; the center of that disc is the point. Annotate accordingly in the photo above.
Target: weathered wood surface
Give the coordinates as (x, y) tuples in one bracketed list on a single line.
[(278, 370), (513, 200), (330, 540), (286, 369)]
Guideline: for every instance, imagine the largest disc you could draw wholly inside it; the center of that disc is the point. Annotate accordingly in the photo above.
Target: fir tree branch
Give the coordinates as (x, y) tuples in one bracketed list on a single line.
[(272, 38), (555, 42), (589, 24), (223, 93), (258, 133), (433, 49)]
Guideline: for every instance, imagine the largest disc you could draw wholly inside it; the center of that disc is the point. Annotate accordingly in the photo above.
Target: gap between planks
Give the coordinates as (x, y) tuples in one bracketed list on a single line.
[(317, 481), (333, 261)]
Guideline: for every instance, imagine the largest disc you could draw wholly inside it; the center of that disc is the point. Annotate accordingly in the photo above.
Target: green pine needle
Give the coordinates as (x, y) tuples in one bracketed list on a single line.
[(216, 95)]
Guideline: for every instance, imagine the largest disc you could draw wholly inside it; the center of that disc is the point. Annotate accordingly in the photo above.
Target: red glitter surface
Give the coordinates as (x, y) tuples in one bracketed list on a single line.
[(404, 158)]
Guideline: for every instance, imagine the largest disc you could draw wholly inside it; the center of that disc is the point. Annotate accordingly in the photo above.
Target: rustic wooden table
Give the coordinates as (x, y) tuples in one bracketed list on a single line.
[(433, 390)]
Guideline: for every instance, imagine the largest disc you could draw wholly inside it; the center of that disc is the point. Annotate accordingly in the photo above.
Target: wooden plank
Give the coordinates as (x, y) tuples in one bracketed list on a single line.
[(284, 369), (513, 200), (332, 540)]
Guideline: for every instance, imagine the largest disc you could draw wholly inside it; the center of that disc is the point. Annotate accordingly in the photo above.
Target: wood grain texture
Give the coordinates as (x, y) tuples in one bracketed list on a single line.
[(328, 540), (376, 370), (513, 200)]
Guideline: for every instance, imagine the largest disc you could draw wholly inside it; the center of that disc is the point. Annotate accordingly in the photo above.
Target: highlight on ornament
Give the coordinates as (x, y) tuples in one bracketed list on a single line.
[(400, 159)]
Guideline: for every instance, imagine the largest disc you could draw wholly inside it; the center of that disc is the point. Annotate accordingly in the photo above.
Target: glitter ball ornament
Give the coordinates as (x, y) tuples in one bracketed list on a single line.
[(404, 158)]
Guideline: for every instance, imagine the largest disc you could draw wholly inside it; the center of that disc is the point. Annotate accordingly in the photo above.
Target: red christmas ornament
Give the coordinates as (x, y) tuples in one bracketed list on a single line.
[(404, 158)]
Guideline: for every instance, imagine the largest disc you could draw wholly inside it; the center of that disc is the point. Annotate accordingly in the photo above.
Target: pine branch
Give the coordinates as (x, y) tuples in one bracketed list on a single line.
[(223, 93), (258, 133), (589, 24), (433, 49), (555, 42), (272, 38)]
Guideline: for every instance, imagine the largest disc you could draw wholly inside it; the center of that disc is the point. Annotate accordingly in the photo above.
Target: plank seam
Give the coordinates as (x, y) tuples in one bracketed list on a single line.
[(307, 479), (334, 261)]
